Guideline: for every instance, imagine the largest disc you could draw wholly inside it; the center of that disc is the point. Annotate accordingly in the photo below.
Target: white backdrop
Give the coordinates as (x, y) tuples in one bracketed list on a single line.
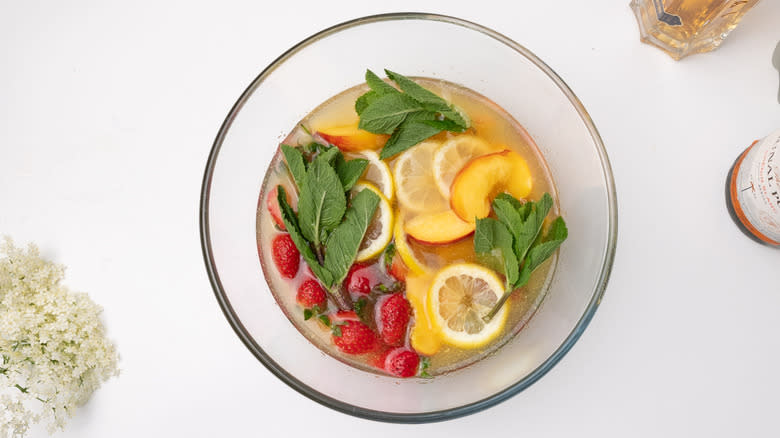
[(107, 114)]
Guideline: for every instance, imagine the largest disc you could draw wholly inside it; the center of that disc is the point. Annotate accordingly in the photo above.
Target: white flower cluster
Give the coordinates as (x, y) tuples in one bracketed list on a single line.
[(53, 348)]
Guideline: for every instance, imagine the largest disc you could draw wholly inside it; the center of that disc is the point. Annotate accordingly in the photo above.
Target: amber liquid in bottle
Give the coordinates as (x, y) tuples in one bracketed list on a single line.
[(684, 27)]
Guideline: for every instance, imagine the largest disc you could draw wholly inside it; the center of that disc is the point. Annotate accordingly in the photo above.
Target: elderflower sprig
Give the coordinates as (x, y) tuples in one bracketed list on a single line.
[(53, 350)]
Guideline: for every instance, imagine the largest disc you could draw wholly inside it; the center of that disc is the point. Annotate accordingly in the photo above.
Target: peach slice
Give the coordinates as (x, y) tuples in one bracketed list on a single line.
[(351, 139), (438, 228), (475, 186)]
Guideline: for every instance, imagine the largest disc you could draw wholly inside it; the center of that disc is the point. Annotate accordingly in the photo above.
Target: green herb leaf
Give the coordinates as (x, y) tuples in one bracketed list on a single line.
[(378, 85), (329, 154), (361, 310), (325, 320), (385, 113), (425, 363), (544, 249), (413, 131), (322, 202), (20, 388), (428, 99), (349, 171), (445, 125), (519, 206), (294, 159), (388, 255), (343, 243), (337, 331), (291, 223), (534, 213), (307, 314), (491, 235), (516, 237), (359, 304)]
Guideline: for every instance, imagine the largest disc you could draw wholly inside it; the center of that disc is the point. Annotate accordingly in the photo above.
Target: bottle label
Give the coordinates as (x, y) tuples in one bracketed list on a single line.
[(755, 189)]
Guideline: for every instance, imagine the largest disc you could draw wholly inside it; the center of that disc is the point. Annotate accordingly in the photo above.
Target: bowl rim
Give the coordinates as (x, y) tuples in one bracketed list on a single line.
[(394, 417)]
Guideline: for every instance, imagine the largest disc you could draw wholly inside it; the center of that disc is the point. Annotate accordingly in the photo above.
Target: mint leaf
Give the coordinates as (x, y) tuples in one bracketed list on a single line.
[(349, 171), (291, 223), (322, 203), (294, 159), (307, 314), (428, 99), (534, 213), (445, 125), (387, 257), (325, 320), (413, 131), (506, 213), (378, 85), (329, 154), (491, 235), (385, 113), (515, 203), (425, 363), (362, 102), (343, 243), (543, 250)]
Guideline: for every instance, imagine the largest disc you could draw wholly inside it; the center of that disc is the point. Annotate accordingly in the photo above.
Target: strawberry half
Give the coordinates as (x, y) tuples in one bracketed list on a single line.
[(311, 293), (362, 277), (285, 255), (402, 362), (398, 268), (394, 315), (356, 338)]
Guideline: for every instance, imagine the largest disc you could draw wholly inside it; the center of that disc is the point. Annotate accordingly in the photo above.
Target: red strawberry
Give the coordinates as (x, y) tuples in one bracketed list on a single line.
[(286, 255), (394, 315), (311, 294), (361, 278), (402, 362), (397, 268), (344, 315), (356, 338), (272, 203)]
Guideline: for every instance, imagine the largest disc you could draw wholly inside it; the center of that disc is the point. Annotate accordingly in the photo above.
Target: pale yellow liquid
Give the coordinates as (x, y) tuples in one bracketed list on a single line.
[(490, 123)]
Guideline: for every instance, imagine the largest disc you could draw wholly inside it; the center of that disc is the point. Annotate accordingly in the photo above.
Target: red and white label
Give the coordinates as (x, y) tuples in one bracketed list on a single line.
[(757, 189)]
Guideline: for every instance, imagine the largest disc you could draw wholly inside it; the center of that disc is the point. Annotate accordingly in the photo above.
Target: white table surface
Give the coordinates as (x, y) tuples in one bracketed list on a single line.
[(108, 111)]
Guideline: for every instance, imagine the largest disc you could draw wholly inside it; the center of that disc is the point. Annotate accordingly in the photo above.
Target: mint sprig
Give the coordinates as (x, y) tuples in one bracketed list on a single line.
[(327, 229), (513, 245), (411, 114)]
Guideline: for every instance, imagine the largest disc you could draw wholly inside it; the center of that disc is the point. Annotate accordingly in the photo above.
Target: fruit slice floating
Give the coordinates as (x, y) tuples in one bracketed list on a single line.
[(350, 138), (452, 156), (458, 299), (377, 172), (415, 266), (423, 337), (414, 183), (380, 230), (483, 178), (438, 228)]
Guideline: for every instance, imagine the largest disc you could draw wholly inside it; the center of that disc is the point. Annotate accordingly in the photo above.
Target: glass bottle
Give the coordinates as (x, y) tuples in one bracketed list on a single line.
[(753, 190), (684, 27)]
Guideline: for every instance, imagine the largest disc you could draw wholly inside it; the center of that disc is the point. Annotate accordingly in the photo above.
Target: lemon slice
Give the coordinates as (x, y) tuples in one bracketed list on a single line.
[(450, 158), (377, 173), (459, 297), (380, 230), (415, 266), (415, 185)]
